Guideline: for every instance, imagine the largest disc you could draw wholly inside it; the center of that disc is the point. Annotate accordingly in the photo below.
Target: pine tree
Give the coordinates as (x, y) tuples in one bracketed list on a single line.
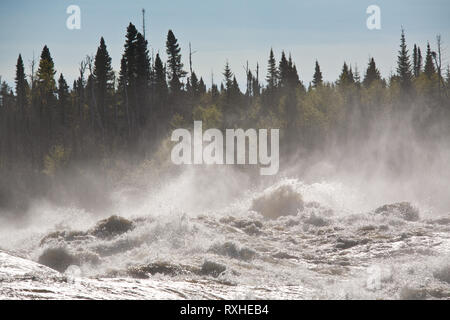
[(201, 87), (317, 77), (46, 73), (159, 79), (63, 99), (127, 77), (372, 74), (272, 72), (417, 61), (104, 78), (123, 89), (130, 53), (174, 64), (288, 72), (346, 76), (228, 75), (294, 79), (142, 79), (404, 64), (159, 89), (283, 70), (351, 75), (46, 87), (21, 87), (194, 85), (429, 69)]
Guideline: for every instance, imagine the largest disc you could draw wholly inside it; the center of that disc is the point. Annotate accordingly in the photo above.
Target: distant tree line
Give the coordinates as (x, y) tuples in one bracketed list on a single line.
[(46, 125)]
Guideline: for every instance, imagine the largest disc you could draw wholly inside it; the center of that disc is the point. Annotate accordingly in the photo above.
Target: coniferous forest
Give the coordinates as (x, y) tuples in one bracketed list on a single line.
[(51, 130)]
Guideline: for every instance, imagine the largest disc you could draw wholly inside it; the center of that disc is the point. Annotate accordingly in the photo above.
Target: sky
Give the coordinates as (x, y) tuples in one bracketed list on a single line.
[(236, 31)]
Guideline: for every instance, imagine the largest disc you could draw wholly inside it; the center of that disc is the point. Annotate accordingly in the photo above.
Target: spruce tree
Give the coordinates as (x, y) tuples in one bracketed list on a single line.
[(372, 74), (346, 76), (417, 61), (201, 86), (142, 79), (317, 77), (127, 77), (294, 79), (159, 89), (174, 64), (415, 57), (404, 65), (283, 70), (228, 75), (130, 54), (46, 73), (63, 99), (429, 69), (46, 87), (272, 72), (21, 87), (104, 78), (159, 78)]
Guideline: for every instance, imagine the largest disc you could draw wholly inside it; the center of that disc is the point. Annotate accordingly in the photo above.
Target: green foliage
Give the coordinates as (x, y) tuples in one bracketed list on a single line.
[(56, 160), (211, 116), (404, 65), (50, 126), (372, 74), (174, 64), (429, 64), (317, 78), (272, 72)]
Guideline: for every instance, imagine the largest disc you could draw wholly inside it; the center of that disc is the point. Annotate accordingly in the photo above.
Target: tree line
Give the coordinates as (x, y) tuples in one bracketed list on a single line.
[(46, 126)]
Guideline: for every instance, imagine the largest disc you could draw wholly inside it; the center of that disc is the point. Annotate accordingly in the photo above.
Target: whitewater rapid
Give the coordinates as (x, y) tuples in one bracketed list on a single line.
[(207, 241)]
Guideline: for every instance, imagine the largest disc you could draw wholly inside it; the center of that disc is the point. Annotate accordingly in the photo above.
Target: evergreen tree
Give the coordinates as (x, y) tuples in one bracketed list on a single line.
[(228, 75), (159, 90), (417, 61), (429, 69), (130, 53), (201, 87), (159, 79), (294, 79), (346, 76), (174, 64), (317, 77), (288, 72), (45, 74), (272, 72), (21, 87), (193, 85), (403, 64), (46, 87), (372, 74), (104, 78), (142, 79), (127, 77), (63, 99), (283, 70)]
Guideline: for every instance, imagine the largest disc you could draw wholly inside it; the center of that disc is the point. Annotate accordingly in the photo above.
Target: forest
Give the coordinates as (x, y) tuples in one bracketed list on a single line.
[(111, 121)]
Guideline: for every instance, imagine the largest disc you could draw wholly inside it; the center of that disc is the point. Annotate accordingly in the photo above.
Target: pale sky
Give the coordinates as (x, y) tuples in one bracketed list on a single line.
[(234, 30)]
